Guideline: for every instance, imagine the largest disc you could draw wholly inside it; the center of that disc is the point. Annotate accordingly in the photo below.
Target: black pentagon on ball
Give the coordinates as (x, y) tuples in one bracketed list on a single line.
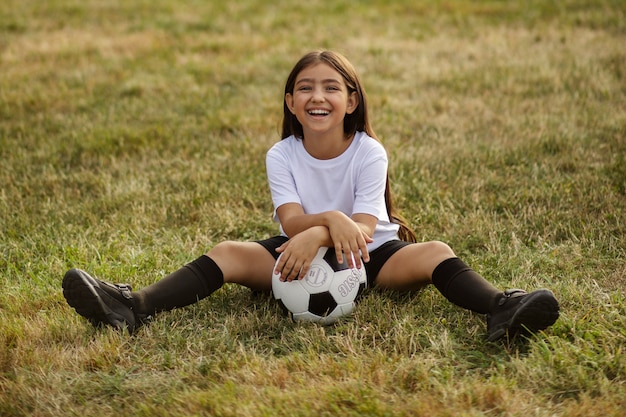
[(322, 304), (331, 259)]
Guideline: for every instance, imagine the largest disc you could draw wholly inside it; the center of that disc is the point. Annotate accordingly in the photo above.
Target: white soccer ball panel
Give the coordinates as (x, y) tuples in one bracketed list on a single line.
[(307, 316), (293, 295), (345, 309), (277, 287)]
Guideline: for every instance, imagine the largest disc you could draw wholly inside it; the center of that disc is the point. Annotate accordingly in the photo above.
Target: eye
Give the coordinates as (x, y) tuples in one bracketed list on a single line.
[(304, 88)]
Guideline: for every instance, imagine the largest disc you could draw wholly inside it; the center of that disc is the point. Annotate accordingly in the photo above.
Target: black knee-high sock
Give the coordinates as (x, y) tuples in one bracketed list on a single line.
[(464, 287), (187, 285)]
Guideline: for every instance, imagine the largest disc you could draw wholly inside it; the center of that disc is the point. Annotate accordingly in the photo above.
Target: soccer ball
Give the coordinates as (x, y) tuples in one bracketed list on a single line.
[(327, 292)]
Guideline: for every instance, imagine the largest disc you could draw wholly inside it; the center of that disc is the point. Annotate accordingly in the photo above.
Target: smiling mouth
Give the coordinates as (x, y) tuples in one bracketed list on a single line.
[(318, 112)]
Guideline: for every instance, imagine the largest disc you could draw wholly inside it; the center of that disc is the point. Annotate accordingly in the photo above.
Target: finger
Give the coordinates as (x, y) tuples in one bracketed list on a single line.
[(283, 267), (339, 254), (286, 275), (280, 265), (364, 253), (349, 256), (366, 239), (356, 257), (291, 269), (282, 247), (304, 270), (355, 261), (294, 273)]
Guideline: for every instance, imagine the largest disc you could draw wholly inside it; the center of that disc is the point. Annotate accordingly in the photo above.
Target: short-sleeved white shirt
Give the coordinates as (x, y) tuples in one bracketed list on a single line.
[(353, 182)]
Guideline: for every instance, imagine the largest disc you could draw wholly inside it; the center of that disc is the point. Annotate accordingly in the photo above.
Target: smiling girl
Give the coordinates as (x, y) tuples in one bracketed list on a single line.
[(329, 186)]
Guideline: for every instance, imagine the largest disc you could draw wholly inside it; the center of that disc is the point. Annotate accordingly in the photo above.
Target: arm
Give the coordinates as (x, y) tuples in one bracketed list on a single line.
[(308, 232)]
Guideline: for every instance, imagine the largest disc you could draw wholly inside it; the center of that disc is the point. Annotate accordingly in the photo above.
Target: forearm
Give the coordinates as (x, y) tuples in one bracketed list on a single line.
[(299, 223), (319, 235), (331, 229)]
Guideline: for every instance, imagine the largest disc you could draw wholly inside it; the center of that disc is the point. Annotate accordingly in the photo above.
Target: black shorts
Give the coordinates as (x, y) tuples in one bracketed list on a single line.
[(378, 256)]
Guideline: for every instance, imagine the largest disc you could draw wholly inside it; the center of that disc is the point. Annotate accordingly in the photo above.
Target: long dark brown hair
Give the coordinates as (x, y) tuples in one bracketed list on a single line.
[(357, 121)]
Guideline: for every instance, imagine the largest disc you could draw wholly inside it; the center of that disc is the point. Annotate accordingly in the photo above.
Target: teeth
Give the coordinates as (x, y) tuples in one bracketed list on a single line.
[(318, 112)]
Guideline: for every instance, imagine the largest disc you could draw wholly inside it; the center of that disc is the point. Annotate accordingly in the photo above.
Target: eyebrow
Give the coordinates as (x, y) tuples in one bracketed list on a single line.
[(325, 81)]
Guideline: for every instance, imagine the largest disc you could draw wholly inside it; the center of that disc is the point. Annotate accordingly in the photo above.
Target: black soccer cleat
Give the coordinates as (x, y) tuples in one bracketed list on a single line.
[(519, 312), (100, 302)]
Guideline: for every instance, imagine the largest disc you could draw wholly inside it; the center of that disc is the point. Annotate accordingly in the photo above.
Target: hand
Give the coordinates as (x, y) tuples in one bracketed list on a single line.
[(349, 239), (298, 253)]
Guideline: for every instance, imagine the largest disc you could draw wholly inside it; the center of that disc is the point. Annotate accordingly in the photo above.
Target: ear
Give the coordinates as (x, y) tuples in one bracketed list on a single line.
[(353, 102), (289, 102)]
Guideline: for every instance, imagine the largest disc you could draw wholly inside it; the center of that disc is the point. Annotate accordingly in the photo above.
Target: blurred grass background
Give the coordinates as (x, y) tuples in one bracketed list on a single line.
[(132, 139)]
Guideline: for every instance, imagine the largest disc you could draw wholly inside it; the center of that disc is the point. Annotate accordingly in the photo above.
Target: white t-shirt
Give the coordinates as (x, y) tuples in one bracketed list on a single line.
[(353, 182)]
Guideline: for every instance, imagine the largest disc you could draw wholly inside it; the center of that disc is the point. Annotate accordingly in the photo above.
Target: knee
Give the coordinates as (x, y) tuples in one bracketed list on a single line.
[(222, 249), (439, 250)]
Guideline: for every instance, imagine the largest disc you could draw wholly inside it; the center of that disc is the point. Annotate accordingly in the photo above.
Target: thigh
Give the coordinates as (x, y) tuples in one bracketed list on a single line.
[(272, 243), (245, 263), (411, 267)]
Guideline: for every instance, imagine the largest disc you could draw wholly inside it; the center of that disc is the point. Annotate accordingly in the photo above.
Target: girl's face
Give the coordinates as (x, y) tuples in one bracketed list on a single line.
[(320, 100)]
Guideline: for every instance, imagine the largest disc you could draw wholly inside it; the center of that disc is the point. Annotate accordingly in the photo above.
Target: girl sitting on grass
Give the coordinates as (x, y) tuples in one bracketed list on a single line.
[(329, 185)]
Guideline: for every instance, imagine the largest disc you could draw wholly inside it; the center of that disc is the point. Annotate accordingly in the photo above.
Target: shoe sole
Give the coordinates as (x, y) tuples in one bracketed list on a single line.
[(536, 312), (83, 293)]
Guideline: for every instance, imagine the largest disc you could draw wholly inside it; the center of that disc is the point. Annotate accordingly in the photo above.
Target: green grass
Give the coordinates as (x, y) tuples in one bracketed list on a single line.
[(132, 139)]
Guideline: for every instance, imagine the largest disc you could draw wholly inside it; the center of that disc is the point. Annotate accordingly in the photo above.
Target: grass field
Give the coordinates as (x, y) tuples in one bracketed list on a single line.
[(132, 139)]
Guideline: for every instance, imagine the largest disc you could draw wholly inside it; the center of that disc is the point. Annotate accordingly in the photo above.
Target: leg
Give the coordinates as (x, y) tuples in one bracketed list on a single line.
[(414, 266), (508, 313), (247, 264), (244, 263), (411, 267)]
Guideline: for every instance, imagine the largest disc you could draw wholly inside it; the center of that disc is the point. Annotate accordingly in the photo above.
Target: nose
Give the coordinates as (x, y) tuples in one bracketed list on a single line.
[(318, 95)]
